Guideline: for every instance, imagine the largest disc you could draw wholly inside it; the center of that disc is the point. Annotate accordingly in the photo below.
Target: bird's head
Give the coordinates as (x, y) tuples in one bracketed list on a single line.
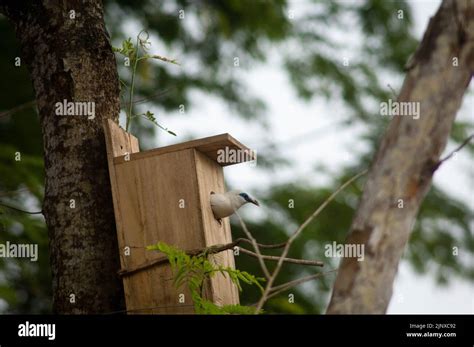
[(248, 198)]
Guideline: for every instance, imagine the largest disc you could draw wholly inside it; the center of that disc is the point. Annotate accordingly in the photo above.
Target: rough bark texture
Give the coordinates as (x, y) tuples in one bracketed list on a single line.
[(406, 160), (71, 59)]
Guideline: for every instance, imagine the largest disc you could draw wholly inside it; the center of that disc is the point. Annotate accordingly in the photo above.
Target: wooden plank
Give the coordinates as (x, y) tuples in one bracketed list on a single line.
[(210, 177), (151, 191), (118, 143), (208, 145), (138, 287)]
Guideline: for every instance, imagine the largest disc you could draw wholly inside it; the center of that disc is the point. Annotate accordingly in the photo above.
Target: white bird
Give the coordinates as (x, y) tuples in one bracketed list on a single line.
[(224, 205)]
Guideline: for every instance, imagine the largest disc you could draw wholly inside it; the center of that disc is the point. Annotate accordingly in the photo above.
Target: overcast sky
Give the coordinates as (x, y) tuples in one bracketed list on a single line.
[(320, 141)]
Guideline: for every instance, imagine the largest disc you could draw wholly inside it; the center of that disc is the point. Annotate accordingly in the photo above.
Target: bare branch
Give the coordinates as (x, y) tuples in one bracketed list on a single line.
[(395, 94), (153, 96), (285, 286), (286, 260), (255, 246), (464, 143), (269, 284), (18, 108), (13, 192), (273, 246), (20, 210), (143, 266)]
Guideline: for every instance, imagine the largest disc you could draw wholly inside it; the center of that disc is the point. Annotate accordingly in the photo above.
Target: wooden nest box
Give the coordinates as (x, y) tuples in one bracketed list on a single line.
[(163, 194)]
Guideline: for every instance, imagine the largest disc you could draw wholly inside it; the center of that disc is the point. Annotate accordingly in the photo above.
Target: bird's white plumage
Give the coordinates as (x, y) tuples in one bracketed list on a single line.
[(224, 205)]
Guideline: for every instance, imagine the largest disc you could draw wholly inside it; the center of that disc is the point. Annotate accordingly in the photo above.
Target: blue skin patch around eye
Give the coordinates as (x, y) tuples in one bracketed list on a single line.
[(245, 196)]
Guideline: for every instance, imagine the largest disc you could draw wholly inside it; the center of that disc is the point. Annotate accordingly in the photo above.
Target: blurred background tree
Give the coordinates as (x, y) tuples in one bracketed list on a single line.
[(208, 36)]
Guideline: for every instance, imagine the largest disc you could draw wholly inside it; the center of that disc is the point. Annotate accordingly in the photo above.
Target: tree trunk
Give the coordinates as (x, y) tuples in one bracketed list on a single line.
[(406, 160), (66, 48)]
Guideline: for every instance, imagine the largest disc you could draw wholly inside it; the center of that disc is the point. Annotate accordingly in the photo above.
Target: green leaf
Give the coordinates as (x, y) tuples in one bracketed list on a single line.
[(195, 270)]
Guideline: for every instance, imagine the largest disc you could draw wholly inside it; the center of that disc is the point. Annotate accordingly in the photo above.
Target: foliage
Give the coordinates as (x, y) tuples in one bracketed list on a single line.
[(132, 53), (196, 271)]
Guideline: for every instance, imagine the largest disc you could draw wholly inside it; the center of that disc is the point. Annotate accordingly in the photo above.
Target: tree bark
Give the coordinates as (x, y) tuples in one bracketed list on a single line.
[(406, 160), (67, 50)]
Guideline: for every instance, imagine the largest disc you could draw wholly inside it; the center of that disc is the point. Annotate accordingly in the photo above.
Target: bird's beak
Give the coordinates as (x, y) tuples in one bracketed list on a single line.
[(255, 202)]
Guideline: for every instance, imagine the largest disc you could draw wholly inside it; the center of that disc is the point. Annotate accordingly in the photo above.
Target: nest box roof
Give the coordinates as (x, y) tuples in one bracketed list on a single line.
[(223, 149)]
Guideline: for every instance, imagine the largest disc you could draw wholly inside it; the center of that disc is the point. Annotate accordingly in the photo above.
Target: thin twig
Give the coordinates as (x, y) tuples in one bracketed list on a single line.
[(285, 286), (464, 143), (286, 260), (255, 246), (265, 246), (17, 108), (148, 98), (20, 210), (269, 284), (395, 95), (143, 266), (13, 192)]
